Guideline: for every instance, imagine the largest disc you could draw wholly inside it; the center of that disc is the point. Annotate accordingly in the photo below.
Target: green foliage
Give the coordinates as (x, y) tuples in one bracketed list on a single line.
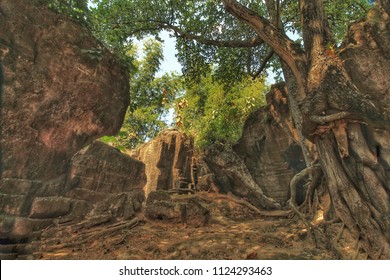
[(217, 102), (341, 13), (211, 113), (206, 33), (150, 98), (76, 9)]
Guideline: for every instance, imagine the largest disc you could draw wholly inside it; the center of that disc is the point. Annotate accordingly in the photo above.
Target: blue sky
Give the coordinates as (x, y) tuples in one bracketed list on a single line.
[(170, 62)]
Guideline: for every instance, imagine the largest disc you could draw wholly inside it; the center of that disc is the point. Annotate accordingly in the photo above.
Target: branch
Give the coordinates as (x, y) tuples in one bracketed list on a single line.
[(159, 24), (250, 43), (330, 118), (290, 52), (299, 177), (263, 64)]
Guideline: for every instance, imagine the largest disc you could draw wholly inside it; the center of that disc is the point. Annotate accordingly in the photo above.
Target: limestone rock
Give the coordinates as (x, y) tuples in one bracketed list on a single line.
[(167, 158)]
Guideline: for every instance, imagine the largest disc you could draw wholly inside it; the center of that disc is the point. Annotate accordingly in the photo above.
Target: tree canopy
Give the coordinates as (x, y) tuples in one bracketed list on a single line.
[(208, 34)]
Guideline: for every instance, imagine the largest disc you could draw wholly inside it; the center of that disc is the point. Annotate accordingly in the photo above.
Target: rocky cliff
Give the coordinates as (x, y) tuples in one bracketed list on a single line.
[(57, 97), (61, 91)]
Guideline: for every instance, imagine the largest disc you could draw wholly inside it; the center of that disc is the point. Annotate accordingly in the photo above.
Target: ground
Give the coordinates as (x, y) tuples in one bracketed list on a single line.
[(233, 231)]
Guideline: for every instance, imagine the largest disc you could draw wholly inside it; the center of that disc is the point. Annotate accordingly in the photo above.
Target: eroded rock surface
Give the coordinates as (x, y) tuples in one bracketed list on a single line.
[(57, 97), (108, 180), (233, 176), (260, 166), (270, 154), (61, 91), (167, 160)]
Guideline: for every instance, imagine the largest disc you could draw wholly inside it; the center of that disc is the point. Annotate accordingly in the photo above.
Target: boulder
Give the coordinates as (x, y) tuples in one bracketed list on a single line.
[(107, 179), (233, 176), (60, 90), (269, 148), (270, 154), (57, 97)]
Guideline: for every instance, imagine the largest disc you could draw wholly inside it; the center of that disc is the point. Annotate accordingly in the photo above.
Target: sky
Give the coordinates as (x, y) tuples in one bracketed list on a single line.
[(170, 62)]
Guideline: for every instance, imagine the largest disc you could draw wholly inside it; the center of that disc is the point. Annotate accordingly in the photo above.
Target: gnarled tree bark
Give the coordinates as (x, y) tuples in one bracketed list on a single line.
[(344, 117)]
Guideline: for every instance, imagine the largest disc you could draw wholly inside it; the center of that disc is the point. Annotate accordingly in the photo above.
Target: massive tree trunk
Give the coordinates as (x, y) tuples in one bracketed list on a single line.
[(344, 99)]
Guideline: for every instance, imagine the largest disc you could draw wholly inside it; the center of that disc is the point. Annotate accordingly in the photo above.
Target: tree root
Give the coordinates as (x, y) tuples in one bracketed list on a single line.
[(297, 178), (275, 213), (380, 252), (293, 204), (94, 234), (314, 182), (330, 118), (336, 248), (308, 225)]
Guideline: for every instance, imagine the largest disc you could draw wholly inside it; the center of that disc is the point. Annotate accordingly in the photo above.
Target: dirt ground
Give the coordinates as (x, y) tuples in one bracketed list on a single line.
[(233, 231)]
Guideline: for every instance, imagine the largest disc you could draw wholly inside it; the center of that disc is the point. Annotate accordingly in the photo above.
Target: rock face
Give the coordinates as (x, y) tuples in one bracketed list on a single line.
[(270, 155), (57, 95), (109, 181), (260, 166), (167, 160), (61, 91), (233, 176)]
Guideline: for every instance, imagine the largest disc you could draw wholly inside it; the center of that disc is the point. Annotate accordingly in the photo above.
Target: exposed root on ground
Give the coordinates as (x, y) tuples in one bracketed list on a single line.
[(90, 235), (236, 230)]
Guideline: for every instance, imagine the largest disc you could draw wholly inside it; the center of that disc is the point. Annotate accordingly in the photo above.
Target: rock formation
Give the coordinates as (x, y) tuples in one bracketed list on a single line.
[(233, 176), (167, 160), (61, 91), (107, 181), (57, 97), (260, 166), (270, 154)]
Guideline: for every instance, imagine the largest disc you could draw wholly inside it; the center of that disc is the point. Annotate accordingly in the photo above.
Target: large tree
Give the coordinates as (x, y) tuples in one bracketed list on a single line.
[(338, 93)]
